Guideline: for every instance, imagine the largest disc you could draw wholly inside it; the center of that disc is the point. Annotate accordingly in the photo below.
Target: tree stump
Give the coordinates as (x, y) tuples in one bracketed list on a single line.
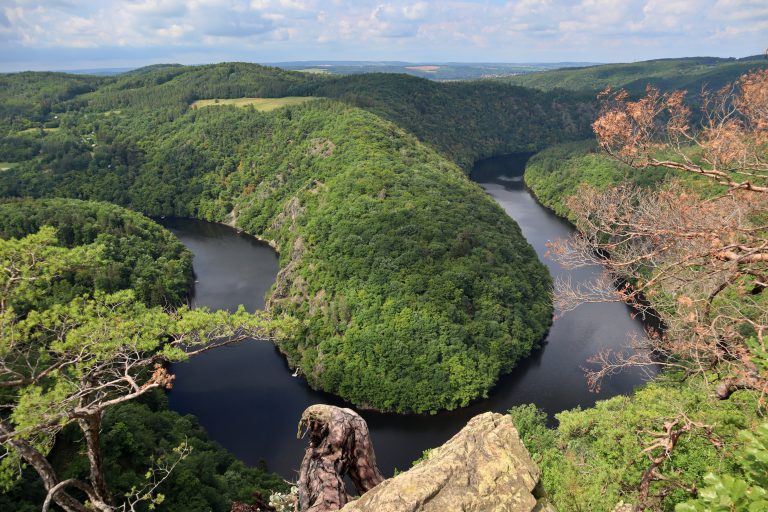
[(339, 445)]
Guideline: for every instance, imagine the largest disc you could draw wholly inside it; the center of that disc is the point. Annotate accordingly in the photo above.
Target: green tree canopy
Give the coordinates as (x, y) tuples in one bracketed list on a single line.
[(71, 362)]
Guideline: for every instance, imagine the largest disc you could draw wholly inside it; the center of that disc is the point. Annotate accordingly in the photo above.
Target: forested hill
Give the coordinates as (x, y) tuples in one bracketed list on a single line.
[(32, 95), (466, 121), (469, 120), (691, 73), (138, 254), (414, 289), (120, 252)]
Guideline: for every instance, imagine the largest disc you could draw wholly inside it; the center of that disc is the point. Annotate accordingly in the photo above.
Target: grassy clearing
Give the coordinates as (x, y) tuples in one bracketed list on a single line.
[(260, 104), (4, 166), (37, 130)]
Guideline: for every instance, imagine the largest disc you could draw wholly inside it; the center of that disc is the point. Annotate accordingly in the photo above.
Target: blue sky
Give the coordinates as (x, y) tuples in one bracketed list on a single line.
[(71, 34)]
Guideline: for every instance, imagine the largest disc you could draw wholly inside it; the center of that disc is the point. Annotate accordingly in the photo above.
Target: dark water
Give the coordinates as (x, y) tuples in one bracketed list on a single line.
[(248, 401)]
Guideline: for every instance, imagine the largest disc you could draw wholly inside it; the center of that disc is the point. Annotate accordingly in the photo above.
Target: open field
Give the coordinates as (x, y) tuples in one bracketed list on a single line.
[(37, 130), (260, 104), (318, 71), (4, 166), (428, 69)]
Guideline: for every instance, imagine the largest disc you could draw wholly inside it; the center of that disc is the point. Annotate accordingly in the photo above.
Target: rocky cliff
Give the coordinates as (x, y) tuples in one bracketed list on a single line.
[(484, 467)]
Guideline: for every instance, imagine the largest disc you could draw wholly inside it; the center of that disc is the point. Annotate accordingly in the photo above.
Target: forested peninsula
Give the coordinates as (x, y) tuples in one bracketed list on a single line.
[(414, 290), (403, 286)]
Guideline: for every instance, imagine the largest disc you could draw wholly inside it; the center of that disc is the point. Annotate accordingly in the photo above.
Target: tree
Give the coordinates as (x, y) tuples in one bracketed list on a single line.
[(700, 261), (730, 137), (691, 252), (746, 491), (71, 362)]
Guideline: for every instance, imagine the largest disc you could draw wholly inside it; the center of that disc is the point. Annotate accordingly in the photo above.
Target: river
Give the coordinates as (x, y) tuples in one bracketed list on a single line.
[(247, 399)]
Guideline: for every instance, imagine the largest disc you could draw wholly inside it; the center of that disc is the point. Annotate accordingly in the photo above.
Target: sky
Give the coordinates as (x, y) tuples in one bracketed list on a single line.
[(72, 34)]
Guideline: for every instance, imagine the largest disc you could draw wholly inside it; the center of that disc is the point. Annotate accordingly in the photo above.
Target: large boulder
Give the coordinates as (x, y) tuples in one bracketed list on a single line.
[(484, 467)]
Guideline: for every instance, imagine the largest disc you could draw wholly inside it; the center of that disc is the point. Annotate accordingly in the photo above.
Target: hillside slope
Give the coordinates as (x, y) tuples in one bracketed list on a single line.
[(466, 121), (414, 289), (667, 74)]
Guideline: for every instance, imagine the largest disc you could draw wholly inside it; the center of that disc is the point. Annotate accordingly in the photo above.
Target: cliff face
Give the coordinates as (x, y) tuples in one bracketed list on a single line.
[(484, 467)]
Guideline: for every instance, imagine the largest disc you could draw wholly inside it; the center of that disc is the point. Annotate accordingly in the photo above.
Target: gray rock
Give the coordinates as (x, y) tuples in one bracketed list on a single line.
[(485, 467)]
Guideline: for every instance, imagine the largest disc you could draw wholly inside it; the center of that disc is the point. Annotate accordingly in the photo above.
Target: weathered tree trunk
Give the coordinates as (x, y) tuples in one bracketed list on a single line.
[(339, 445), (729, 386), (91, 427), (44, 469)]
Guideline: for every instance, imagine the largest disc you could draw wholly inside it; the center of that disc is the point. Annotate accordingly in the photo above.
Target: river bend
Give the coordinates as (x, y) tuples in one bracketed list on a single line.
[(247, 399)]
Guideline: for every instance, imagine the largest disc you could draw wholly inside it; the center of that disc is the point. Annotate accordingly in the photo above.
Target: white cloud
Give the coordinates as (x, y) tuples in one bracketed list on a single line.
[(669, 15), (521, 30), (598, 16), (525, 8), (417, 11), (755, 26), (740, 10)]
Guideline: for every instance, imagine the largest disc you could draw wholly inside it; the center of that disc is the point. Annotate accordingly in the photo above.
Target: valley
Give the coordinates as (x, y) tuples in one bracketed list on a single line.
[(233, 389), (402, 244)]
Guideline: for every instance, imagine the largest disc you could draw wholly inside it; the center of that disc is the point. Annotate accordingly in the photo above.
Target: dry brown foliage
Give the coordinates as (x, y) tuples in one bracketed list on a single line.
[(730, 135), (702, 263)]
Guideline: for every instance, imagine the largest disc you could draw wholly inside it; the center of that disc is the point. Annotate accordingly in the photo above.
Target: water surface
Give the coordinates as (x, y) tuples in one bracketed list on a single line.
[(248, 400)]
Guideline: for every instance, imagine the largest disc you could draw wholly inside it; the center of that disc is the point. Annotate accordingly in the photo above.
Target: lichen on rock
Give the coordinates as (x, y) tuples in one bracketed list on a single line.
[(485, 467)]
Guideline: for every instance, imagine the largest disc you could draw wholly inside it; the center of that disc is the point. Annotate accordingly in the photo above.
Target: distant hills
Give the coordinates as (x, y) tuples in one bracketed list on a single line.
[(683, 73), (429, 70), (97, 71), (690, 73)]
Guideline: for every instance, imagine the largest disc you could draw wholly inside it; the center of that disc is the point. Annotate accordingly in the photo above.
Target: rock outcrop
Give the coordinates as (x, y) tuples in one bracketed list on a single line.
[(339, 447), (484, 467)]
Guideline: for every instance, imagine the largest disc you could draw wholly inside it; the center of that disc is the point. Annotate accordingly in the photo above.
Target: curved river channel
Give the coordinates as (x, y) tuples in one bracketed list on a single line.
[(247, 399)]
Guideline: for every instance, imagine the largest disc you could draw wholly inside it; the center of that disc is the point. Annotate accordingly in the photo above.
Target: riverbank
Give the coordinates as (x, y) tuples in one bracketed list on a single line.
[(247, 399), (613, 434)]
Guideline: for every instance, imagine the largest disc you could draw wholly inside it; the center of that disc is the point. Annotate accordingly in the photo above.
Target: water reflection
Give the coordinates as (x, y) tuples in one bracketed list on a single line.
[(247, 399)]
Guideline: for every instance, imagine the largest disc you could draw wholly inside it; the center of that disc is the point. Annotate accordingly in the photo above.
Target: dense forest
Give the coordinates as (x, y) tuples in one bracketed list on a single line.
[(125, 251), (692, 74), (137, 253), (464, 120), (409, 288)]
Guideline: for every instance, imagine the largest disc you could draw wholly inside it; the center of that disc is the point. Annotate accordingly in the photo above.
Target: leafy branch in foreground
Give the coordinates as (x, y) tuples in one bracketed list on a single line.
[(161, 469), (71, 362), (744, 492)]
